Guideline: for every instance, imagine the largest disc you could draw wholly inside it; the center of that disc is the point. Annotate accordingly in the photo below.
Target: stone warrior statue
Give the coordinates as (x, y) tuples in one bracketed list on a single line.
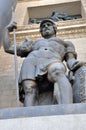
[(43, 65)]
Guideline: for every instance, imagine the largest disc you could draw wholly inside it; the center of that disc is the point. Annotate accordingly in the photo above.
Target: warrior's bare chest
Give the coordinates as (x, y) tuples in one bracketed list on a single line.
[(45, 43)]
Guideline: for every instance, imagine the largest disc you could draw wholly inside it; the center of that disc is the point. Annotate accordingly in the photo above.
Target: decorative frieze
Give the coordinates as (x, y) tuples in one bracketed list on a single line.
[(66, 30)]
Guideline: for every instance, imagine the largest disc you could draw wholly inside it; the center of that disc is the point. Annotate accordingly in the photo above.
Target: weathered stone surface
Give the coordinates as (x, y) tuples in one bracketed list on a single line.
[(47, 110), (58, 122)]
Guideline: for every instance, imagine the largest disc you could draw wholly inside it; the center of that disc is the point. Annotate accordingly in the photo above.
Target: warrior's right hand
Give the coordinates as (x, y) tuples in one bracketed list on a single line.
[(11, 26)]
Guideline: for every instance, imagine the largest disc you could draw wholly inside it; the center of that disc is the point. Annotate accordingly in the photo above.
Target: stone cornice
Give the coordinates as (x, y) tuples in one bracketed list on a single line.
[(66, 30)]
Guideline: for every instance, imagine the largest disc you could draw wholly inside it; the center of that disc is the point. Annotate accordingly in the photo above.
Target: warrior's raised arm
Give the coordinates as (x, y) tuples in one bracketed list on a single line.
[(22, 49)]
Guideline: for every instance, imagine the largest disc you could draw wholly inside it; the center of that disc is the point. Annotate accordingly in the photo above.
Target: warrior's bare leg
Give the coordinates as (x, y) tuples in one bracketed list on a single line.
[(62, 87), (30, 89), (64, 95)]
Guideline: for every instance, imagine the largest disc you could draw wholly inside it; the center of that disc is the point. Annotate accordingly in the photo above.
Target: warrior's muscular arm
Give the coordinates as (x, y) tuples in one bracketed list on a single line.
[(70, 55), (22, 49)]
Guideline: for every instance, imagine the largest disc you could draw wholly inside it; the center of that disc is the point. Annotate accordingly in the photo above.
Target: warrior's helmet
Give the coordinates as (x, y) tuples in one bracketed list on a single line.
[(51, 21)]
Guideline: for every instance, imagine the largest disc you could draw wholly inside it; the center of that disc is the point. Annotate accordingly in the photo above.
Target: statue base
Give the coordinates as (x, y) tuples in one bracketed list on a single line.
[(51, 117)]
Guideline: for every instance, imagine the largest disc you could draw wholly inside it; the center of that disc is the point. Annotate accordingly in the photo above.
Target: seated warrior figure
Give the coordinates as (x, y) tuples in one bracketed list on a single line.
[(44, 57)]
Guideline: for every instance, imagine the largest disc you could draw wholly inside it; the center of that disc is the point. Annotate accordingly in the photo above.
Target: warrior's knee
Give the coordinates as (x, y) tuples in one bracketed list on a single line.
[(29, 87), (55, 71)]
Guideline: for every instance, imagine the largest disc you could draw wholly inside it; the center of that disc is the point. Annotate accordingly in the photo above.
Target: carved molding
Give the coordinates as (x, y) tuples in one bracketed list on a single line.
[(66, 30)]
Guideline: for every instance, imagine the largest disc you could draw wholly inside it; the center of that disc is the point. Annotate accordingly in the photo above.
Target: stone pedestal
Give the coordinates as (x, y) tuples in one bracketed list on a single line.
[(58, 122), (51, 117)]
